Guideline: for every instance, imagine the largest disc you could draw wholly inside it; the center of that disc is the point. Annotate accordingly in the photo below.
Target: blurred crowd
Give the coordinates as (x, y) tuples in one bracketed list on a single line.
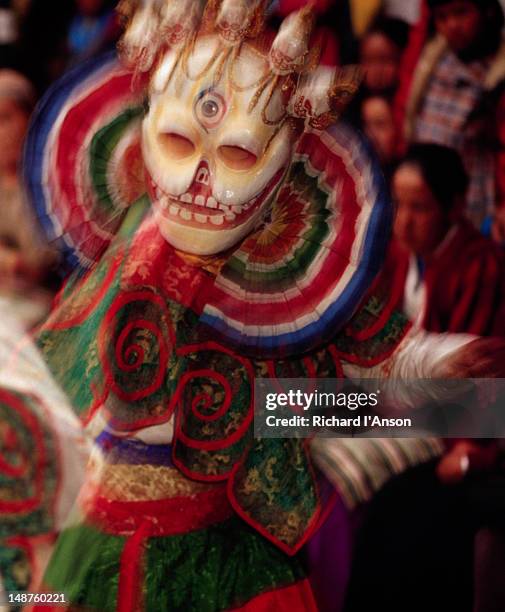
[(433, 106), (39, 41)]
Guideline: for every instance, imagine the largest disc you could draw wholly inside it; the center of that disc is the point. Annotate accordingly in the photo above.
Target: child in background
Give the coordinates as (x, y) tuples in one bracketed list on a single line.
[(380, 54), (377, 122), (451, 93)]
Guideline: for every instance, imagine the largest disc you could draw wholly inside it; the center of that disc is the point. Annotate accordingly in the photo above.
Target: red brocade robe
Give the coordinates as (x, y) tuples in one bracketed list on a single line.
[(464, 284), (147, 285)]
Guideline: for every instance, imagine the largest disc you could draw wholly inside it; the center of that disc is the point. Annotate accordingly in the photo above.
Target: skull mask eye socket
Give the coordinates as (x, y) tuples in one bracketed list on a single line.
[(210, 108), (176, 145), (237, 158)]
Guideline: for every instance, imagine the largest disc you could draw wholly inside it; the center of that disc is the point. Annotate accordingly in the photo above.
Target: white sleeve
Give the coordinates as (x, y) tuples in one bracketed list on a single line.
[(418, 357)]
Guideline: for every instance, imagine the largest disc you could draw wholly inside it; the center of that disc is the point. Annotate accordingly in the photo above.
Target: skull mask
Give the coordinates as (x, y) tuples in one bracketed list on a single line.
[(215, 145)]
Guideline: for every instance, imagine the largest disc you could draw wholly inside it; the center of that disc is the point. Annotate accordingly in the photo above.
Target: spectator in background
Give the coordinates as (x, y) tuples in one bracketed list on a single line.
[(418, 529), (8, 33), (56, 35), (24, 257), (380, 54), (450, 95), (449, 277), (93, 29), (378, 124), (42, 48)]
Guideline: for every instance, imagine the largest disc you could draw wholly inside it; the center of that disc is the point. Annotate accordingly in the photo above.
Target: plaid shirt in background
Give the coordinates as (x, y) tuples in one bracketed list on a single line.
[(447, 117)]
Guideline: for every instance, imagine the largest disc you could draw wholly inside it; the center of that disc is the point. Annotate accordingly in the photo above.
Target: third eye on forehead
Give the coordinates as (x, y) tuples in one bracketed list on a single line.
[(209, 108)]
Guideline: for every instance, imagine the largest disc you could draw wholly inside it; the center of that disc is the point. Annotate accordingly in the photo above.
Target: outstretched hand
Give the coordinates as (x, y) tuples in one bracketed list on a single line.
[(464, 456)]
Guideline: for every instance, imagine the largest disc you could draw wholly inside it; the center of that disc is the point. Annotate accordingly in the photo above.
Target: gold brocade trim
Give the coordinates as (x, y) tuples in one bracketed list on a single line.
[(146, 483), (210, 263)]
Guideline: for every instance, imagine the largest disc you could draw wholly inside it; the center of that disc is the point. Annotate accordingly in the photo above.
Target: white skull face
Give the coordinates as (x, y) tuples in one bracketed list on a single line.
[(214, 166)]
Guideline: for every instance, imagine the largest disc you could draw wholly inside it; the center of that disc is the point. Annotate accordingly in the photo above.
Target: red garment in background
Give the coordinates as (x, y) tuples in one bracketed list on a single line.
[(464, 284), (288, 6), (417, 39), (500, 156)]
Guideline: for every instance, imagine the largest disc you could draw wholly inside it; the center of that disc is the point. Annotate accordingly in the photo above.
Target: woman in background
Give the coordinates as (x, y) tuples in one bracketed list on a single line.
[(420, 527), (377, 122), (449, 278), (380, 54)]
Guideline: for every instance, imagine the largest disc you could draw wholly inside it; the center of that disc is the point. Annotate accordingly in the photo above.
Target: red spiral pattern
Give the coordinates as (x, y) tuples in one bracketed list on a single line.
[(135, 342), (213, 418), (23, 455)]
